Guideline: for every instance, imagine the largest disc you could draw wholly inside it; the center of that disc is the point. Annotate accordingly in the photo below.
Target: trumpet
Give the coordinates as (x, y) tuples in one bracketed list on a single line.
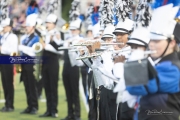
[(87, 44), (118, 51), (89, 56)]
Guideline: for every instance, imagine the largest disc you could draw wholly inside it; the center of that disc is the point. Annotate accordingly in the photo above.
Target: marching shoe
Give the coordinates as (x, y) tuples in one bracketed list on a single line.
[(7, 109), (77, 118), (68, 118), (33, 111), (27, 110), (46, 114), (55, 115)]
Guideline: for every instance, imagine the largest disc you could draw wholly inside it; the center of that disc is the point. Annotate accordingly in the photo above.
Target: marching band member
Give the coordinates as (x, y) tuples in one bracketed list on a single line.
[(9, 43), (92, 90), (106, 105), (71, 74), (50, 69), (139, 44), (27, 74), (122, 32), (161, 98)]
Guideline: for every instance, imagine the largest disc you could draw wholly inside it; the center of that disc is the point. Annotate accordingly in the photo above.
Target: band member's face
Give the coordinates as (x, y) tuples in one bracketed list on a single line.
[(159, 46), (74, 32), (6, 29), (89, 34), (29, 29), (137, 47), (50, 26), (108, 40), (122, 37)]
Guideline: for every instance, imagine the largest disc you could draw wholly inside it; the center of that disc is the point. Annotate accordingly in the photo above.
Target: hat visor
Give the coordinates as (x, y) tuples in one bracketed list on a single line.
[(4, 25), (135, 42), (154, 36), (1, 28), (119, 31), (107, 36), (49, 21), (30, 25), (73, 28)]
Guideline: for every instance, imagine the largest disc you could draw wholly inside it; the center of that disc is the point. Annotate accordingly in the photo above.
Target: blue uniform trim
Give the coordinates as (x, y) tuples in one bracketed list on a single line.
[(168, 77), (33, 40), (30, 42)]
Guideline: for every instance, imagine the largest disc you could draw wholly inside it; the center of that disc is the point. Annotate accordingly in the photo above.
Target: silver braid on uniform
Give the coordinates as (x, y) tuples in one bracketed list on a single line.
[(74, 11), (143, 16), (106, 12), (122, 9)]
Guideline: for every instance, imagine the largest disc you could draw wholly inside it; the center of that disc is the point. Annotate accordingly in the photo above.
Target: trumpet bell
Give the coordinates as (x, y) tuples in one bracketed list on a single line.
[(65, 27), (37, 47)]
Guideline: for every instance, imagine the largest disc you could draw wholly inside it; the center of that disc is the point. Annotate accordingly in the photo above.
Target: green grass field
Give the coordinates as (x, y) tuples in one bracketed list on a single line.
[(20, 104)]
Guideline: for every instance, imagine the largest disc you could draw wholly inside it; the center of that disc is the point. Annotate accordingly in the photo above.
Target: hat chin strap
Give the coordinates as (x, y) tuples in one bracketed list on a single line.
[(164, 51)]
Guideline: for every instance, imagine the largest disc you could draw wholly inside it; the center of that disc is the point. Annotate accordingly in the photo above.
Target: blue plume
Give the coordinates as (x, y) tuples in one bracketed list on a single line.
[(31, 10), (95, 18), (82, 17), (115, 20), (159, 3), (175, 2)]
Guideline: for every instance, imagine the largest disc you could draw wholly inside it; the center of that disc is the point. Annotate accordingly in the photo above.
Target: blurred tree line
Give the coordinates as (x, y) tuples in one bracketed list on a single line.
[(66, 5)]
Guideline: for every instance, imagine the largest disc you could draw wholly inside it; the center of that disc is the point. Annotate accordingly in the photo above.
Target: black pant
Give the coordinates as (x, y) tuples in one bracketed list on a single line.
[(84, 74), (107, 105), (29, 80), (50, 73), (119, 112), (71, 84), (7, 82), (127, 113), (39, 87), (92, 115)]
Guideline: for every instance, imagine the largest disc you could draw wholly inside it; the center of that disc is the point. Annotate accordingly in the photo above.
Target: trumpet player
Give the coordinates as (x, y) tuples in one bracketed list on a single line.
[(138, 44), (102, 66), (50, 70), (27, 74), (71, 74), (162, 93), (122, 32), (8, 45)]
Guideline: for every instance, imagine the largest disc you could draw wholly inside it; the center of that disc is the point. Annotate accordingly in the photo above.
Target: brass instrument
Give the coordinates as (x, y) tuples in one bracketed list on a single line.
[(117, 51), (87, 44), (13, 54), (177, 20), (18, 66), (38, 48), (65, 27)]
